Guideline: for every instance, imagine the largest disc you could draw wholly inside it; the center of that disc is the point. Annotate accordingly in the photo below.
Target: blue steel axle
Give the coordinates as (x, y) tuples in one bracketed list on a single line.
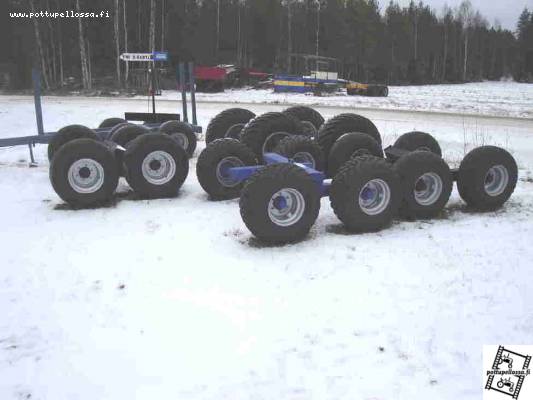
[(240, 174)]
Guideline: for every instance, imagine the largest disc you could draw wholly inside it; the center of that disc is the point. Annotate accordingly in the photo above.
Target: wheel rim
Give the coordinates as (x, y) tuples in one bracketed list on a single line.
[(272, 140), (86, 175), (496, 180), (303, 157), (234, 131), (309, 128), (286, 207), (428, 189), (182, 140), (222, 171), (374, 197), (158, 167)]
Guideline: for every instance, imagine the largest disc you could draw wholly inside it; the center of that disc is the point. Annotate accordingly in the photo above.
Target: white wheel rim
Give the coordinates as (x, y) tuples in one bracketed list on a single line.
[(304, 157), (286, 207), (496, 180), (86, 175), (374, 197), (428, 189), (272, 140), (182, 140), (158, 167), (222, 171)]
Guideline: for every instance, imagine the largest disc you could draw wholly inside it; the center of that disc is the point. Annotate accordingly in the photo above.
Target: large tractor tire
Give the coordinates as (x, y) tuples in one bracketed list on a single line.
[(415, 140), (351, 145), (111, 122), (345, 123), (426, 183), (214, 162), (280, 203), (156, 165), (487, 178), (67, 134), (84, 173), (219, 125), (263, 133), (182, 133), (306, 114), (365, 194), (302, 149), (126, 133)]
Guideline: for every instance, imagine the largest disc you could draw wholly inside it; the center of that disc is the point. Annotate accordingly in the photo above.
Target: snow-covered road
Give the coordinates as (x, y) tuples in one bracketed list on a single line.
[(174, 299)]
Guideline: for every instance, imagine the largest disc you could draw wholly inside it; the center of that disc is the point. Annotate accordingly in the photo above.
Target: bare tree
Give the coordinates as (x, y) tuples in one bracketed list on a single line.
[(60, 50), (40, 52), (163, 25), (117, 41), (127, 72), (465, 14), (151, 41), (87, 84)]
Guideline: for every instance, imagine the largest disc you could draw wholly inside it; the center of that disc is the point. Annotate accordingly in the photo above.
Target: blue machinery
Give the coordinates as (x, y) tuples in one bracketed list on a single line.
[(153, 120)]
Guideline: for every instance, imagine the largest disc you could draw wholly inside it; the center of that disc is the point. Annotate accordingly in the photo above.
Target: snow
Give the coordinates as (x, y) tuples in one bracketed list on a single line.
[(174, 298), (485, 98)]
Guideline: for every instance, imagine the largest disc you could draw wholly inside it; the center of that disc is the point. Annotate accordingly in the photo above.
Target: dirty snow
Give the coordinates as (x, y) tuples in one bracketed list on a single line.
[(174, 299)]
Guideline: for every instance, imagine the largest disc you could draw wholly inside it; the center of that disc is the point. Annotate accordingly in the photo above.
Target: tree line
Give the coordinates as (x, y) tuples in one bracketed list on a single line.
[(414, 44)]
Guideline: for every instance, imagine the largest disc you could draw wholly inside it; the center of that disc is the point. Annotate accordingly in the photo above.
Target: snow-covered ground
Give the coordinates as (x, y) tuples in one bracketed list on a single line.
[(486, 98), (174, 299)]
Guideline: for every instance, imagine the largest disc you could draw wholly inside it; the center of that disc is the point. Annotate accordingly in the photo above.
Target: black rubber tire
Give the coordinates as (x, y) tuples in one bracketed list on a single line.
[(111, 122), (473, 173), (410, 168), (292, 145), (173, 127), (126, 133), (220, 124), (234, 131), (67, 134), (350, 145), (116, 128), (79, 149), (418, 141), (256, 196), (136, 152), (347, 185), (208, 162), (303, 113), (256, 132), (345, 123)]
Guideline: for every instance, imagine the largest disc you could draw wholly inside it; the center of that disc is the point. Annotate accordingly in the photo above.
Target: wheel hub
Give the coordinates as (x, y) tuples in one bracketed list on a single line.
[(374, 197), (286, 207), (496, 180), (85, 176), (158, 167), (222, 171), (428, 188)]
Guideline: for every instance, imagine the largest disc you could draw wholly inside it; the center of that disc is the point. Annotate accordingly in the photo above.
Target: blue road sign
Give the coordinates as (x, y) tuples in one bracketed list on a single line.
[(160, 55)]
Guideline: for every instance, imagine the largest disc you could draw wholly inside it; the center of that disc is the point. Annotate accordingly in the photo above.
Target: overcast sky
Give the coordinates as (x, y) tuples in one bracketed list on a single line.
[(506, 11)]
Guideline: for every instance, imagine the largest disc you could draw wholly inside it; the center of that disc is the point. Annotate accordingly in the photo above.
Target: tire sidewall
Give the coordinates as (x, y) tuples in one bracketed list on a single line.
[(138, 149), (76, 150)]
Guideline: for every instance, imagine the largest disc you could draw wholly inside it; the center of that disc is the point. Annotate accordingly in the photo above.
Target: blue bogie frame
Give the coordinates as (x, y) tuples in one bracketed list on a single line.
[(240, 174), (154, 120)]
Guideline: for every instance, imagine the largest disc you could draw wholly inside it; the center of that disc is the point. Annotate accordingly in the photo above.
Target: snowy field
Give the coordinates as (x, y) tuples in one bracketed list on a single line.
[(486, 98), (174, 299)]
